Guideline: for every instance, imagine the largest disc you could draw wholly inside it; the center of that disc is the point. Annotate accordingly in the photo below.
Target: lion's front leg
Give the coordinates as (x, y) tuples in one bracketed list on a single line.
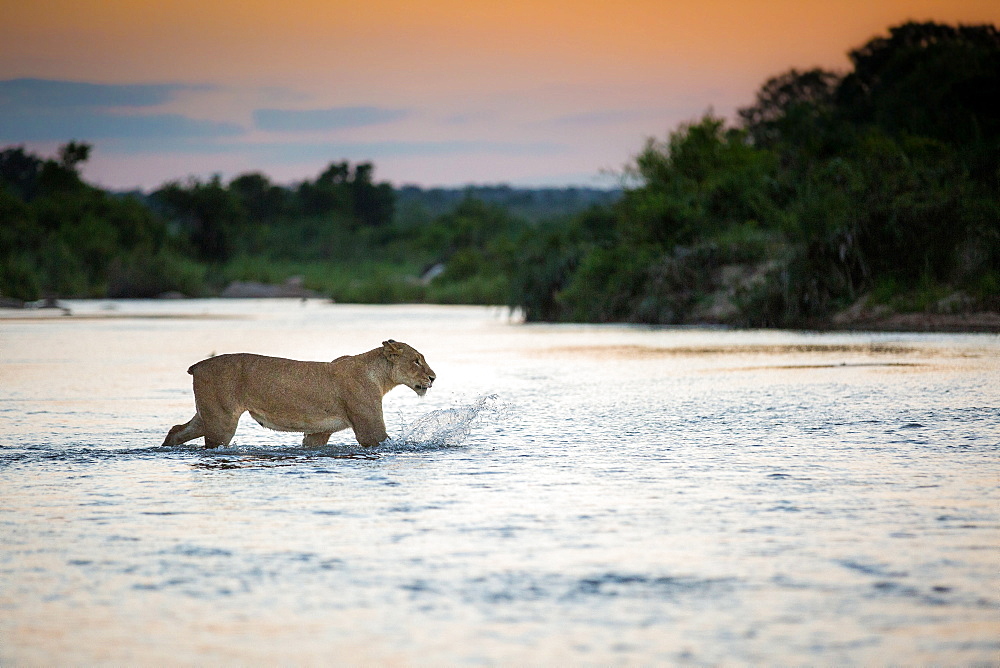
[(369, 429), (316, 440)]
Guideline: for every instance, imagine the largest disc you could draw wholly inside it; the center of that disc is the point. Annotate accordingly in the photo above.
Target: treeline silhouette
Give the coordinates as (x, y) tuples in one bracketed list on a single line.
[(347, 235), (878, 186), (882, 184)]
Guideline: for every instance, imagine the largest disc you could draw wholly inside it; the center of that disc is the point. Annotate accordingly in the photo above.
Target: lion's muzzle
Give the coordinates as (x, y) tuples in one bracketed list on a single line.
[(422, 387)]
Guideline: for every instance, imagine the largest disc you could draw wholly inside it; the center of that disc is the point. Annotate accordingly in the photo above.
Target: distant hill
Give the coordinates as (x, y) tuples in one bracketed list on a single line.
[(416, 205)]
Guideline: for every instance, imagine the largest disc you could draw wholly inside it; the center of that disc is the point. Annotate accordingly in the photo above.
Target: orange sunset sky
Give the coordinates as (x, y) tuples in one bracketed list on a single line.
[(441, 92)]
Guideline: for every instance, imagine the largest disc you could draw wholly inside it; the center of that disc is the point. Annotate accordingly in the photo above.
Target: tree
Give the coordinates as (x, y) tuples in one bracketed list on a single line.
[(931, 80), (705, 177), (208, 212), (373, 205), (262, 201), (790, 106), (19, 172), (72, 154)]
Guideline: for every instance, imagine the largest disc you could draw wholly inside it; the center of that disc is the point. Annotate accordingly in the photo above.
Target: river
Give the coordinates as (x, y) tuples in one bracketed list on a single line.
[(563, 495)]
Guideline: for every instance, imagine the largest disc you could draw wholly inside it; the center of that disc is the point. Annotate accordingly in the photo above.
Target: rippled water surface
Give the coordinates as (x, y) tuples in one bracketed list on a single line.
[(563, 495)]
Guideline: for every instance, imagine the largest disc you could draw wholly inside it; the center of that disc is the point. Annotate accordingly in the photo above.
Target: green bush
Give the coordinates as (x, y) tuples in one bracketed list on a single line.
[(145, 275)]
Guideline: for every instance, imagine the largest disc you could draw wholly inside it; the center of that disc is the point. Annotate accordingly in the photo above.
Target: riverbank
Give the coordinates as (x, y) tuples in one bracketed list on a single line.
[(980, 321), (878, 319)]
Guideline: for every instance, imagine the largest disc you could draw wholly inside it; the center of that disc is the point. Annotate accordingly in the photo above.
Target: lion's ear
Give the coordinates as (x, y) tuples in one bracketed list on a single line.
[(391, 349)]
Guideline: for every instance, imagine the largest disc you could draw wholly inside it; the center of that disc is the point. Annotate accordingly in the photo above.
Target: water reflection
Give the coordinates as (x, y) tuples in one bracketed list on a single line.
[(266, 460)]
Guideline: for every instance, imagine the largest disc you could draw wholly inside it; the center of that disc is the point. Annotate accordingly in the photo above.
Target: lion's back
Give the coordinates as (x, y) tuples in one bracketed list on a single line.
[(259, 379), (218, 363)]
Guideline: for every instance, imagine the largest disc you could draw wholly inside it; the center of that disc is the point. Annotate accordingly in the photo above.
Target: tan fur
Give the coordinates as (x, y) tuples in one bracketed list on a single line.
[(315, 398)]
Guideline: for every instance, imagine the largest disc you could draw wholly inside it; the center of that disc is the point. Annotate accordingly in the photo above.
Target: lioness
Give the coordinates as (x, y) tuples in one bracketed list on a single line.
[(317, 398)]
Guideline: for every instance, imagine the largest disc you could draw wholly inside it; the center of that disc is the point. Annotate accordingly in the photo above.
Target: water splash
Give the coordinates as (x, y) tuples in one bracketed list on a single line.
[(443, 428), (449, 427)]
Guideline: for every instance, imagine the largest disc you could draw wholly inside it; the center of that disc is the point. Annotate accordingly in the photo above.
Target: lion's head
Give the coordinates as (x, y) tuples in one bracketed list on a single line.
[(408, 366)]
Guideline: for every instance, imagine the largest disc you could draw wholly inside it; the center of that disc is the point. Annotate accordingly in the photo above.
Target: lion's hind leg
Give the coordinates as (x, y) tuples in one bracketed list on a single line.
[(220, 428), (219, 412), (182, 433)]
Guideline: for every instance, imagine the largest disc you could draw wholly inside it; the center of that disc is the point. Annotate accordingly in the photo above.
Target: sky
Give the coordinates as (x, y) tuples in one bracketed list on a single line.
[(433, 92)]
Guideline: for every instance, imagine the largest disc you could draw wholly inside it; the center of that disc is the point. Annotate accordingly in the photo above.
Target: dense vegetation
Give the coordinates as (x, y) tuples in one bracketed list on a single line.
[(346, 235), (60, 236), (881, 184)]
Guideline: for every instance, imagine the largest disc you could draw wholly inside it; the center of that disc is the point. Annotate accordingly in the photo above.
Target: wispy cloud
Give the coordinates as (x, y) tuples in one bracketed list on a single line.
[(335, 118), (166, 122), (48, 94), (49, 110), (70, 124)]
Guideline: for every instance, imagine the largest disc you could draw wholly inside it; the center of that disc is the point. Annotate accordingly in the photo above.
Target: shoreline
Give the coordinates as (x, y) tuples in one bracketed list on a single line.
[(977, 322)]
